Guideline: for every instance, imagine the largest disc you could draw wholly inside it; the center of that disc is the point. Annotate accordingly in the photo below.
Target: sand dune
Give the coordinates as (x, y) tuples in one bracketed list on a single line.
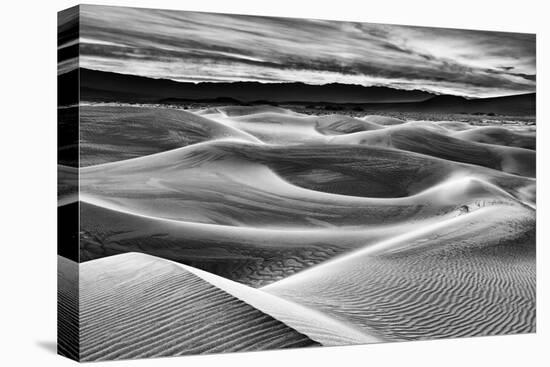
[(127, 315), (232, 183), (252, 256), (341, 124), (420, 139), (263, 241), (220, 183), (250, 110), (499, 136), (316, 325), (273, 126), (255, 227), (137, 306), (472, 275), (383, 120), (257, 256), (434, 126), (67, 308), (112, 133), (455, 125)]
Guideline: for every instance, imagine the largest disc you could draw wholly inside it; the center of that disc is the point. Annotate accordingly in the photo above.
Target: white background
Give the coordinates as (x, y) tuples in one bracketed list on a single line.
[(28, 179)]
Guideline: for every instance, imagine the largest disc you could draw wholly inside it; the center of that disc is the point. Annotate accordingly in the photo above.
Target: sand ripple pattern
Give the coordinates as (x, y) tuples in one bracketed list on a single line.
[(67, 308), (454, 283), (137, 307)]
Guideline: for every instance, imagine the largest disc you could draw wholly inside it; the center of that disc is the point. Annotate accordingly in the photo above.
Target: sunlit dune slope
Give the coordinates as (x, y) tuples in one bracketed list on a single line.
[(235, 111), (383, 120), (113, 133), (316, 325), (471, 275), (270, 186), (499, 136), (455, 125), (290, 128), (420, 139), (260, 255)]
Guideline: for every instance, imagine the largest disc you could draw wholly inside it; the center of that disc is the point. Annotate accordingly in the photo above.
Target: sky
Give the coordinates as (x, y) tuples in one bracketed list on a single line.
[(199, 47)]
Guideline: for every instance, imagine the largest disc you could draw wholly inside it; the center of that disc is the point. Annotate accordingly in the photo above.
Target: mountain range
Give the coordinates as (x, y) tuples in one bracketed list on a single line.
[(100, 86)]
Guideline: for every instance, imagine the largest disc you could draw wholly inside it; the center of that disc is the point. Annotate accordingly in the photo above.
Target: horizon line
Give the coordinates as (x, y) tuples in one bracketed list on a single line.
[(434, 94)]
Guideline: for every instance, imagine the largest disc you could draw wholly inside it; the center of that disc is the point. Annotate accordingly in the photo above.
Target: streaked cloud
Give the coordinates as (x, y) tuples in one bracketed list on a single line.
[(191, 46)]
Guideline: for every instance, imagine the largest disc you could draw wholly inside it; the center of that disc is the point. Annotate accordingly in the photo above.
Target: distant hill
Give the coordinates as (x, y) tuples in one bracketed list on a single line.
[(524, 104), (107, 86), (521, 104)]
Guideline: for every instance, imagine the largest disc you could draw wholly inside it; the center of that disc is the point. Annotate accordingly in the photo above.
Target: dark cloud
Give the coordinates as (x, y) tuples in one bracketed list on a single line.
[(219, 47), (531, 77)]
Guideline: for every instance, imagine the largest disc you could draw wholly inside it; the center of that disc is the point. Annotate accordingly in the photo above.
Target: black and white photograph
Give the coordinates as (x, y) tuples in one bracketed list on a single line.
[(232, 183)]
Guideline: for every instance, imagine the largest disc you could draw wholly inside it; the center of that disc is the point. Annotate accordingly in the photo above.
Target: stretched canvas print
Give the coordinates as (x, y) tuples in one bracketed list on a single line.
[(233, 183)]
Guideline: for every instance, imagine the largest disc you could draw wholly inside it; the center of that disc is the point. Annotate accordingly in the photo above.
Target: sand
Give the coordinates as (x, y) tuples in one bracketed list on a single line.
[(242, 184), (137, 306), (499, 136), (67, 308), (454, 279), (314, 230), (112, 133), (466, 149)]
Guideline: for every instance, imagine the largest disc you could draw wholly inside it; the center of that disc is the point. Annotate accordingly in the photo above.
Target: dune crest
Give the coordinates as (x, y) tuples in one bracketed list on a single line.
[(113, 133), (426, 140), (136, 306), (317, 326), (245, 184), (471, 275), (499, 136)]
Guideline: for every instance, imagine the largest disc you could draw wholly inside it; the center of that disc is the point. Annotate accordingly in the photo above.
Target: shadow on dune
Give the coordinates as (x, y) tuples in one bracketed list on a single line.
[(418, 139)]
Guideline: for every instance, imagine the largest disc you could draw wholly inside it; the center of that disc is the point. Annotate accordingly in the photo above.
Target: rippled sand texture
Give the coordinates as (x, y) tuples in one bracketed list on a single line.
[(265, 228), (135, 306), (458, 279), (68, 308)]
